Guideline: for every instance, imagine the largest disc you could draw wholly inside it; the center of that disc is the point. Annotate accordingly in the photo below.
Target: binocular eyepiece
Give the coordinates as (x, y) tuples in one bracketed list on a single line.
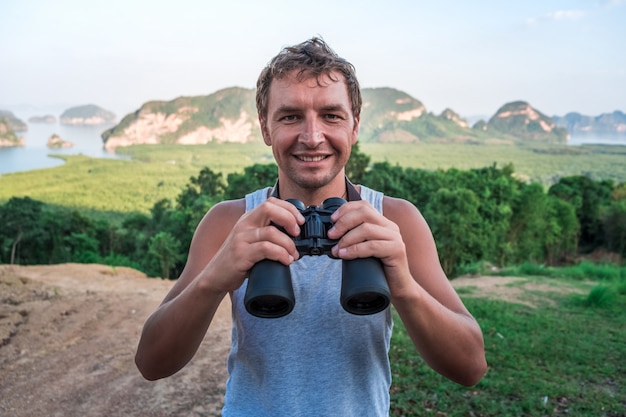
[(364, 289)]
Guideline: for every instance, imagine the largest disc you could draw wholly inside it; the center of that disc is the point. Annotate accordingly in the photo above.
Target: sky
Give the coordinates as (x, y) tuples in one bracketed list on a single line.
[(470, 56)]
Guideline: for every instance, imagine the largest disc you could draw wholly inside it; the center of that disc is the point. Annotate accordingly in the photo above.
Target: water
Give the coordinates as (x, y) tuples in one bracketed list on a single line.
[(35, 154), (594, 139)]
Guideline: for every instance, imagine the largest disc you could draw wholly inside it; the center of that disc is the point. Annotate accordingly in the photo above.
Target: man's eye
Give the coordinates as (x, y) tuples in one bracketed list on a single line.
[(289, 118), (332, 117)]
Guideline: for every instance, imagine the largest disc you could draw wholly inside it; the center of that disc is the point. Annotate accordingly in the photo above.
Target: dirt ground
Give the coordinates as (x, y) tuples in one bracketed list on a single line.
[(68, 335)]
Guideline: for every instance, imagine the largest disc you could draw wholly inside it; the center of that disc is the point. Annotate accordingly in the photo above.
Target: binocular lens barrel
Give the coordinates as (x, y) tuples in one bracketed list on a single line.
[(270, 292), (364, 288)]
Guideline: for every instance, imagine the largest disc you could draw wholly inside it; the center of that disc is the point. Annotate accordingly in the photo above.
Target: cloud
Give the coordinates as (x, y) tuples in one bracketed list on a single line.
[(566, 15), (560, 15)]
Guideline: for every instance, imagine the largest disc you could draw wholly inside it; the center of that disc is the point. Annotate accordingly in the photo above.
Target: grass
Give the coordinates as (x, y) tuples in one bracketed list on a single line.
[(604, 272), (560, 358)]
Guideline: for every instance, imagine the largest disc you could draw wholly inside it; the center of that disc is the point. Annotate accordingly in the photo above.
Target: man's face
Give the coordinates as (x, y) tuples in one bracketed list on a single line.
[(311, 129)]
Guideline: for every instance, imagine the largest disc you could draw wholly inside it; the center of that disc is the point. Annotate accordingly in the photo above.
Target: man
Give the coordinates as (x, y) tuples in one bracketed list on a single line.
[(318, 360)]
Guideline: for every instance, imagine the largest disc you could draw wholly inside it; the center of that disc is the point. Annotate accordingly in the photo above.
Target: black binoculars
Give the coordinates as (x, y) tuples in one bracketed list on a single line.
[(364, 288)]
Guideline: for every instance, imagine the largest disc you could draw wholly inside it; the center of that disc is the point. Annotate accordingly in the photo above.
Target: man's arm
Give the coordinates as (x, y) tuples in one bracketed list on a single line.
[(226, 244), (443, 331), (173, 333)]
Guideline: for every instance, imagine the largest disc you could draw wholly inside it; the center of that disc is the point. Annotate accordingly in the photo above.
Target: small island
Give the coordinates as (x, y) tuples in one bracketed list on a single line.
[(55, 142), (89, 114), (47, 119)]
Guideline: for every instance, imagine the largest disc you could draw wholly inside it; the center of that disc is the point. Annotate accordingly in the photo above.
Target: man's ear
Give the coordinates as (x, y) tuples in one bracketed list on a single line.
[(264, 131), (355, 130)]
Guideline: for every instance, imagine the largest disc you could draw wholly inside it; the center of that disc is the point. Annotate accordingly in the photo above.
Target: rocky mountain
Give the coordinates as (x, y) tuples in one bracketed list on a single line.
[(227, 115), (16, 124), (605, 123), (388, 115), (88, 114), (7, 134)]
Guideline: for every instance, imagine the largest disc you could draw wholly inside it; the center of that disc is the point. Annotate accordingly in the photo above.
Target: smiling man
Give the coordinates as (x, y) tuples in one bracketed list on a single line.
[(318, 360)]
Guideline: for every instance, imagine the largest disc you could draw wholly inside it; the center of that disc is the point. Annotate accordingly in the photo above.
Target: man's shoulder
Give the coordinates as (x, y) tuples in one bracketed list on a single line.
[(398, 208), (224, 213), (229, 208)]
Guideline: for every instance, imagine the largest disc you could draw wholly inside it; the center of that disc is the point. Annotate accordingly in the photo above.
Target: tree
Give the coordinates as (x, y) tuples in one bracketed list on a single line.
[(614, 222), (587, 197), (357, 164), (19, 218), (207, 183), (253, 178), (167, 249), (543, 227), (457, 227), (496, 189)]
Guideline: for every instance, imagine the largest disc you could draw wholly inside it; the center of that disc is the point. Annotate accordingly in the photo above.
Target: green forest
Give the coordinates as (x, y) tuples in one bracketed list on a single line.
[(479, 216)]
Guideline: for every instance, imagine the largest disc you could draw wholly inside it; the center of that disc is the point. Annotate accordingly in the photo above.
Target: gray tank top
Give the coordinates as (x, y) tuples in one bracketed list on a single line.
[(316, 361)]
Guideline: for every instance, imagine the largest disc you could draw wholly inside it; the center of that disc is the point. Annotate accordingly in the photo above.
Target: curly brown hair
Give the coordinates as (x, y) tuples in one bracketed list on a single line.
[(311, 59)]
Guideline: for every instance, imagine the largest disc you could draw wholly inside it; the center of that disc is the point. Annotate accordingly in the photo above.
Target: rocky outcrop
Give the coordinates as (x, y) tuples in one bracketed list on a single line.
[(520, 120), (151, 128), (55, 142), (449, 114), (89, 114), (8, 137), (226, 116)]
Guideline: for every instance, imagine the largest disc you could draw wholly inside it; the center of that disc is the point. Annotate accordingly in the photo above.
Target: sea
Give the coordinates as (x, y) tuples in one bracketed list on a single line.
[(88, 141), (35, 154)]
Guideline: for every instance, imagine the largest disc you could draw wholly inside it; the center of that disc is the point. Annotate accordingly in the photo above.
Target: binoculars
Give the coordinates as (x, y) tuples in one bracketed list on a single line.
[(364, 288)]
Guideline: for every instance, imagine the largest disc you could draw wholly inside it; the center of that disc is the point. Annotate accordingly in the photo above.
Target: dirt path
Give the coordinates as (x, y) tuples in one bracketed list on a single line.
[(68, 335)]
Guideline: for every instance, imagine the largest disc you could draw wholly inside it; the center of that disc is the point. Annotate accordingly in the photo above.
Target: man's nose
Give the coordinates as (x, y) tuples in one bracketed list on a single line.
[(312, 134)]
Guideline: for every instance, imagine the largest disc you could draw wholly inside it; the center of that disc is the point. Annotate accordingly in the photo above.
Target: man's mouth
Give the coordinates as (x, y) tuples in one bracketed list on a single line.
[(311, 158)]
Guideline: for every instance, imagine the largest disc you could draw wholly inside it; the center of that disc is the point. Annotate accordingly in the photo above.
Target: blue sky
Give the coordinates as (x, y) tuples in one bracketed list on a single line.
[(470, 56)]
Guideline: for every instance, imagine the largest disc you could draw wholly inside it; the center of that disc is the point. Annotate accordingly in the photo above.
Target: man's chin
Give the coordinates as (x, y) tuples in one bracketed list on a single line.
[(313, 180)]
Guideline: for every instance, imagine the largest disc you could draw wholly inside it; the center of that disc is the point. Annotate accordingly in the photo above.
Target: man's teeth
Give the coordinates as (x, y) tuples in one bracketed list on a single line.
[(312, 158)]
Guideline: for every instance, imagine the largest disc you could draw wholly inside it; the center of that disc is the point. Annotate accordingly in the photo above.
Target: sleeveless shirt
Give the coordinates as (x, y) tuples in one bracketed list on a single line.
[(319, 360)]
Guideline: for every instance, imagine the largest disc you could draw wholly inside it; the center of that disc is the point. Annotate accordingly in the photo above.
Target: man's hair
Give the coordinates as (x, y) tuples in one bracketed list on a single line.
[(310, 59)]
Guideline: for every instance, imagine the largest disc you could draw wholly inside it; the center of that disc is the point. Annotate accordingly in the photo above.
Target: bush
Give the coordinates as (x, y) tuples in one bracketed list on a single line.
[(601, 296)]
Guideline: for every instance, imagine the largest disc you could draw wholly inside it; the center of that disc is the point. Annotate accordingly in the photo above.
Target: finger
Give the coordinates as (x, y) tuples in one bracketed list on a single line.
[(350, 216), (271, 243), (281, 213), (366, 249)]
